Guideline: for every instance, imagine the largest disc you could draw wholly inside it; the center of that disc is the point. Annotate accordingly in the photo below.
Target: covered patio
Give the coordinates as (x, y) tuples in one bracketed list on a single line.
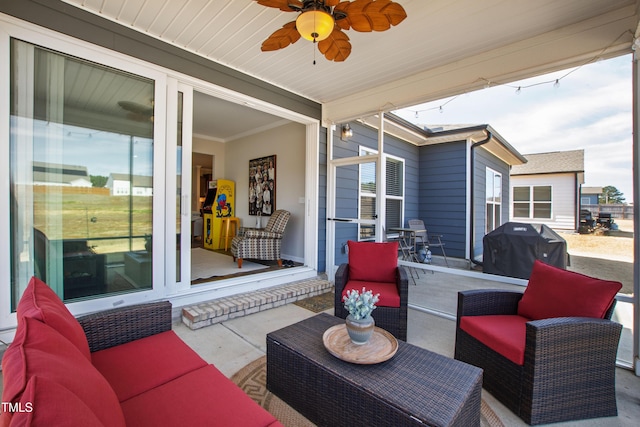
[(244, 339), (204, 57)]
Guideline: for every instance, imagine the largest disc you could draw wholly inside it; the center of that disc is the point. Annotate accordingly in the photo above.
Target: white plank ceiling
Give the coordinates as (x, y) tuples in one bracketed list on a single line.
[(442, 48)]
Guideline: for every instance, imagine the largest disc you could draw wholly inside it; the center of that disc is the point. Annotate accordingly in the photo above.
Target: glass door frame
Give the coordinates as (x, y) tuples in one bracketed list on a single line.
[(177, 261), (67, 45), (332, 167)]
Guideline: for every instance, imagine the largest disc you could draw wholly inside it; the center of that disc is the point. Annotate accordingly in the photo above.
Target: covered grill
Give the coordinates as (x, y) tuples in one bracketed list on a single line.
[(511, 249)]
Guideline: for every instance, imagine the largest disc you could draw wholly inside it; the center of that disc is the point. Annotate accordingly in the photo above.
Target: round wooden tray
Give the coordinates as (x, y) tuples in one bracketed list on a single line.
[(381, 346)]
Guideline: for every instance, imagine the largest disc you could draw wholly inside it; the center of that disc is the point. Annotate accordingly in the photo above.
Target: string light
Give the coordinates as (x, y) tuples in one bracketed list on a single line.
[(555, 82)]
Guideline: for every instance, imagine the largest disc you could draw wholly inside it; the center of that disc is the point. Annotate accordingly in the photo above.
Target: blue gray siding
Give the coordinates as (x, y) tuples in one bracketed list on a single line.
[(322, 201), (483, 160), (442, 193)]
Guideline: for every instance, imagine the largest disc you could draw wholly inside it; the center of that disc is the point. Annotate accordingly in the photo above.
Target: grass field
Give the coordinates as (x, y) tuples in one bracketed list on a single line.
[(607, 256), (108, 222)]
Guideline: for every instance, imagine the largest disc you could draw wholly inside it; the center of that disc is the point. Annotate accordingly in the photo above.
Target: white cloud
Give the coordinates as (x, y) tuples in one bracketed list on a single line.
[(591, 109)]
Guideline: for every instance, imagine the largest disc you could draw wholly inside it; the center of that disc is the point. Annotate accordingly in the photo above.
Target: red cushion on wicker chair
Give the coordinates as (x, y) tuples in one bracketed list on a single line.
[(389, 296), (554, 292), (373, 261), (504, 334), (52, 405), (40, 302)]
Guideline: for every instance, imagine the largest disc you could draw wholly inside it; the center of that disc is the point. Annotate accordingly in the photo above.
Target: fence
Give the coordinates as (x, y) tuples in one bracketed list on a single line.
[(616, 211)]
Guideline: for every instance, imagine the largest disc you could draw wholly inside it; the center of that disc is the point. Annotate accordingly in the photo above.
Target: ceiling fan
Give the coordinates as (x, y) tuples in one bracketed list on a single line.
[(322, 21), (136, 111)]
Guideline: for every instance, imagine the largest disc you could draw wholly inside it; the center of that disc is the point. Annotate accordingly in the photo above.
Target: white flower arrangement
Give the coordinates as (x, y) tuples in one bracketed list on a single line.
[(360, 305)]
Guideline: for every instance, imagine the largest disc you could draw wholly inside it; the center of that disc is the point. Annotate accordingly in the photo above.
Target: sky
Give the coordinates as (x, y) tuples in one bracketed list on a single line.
[(589, 108)]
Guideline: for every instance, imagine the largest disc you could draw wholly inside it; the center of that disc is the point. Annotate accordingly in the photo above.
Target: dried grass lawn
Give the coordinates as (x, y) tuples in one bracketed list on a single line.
[(607, 256)]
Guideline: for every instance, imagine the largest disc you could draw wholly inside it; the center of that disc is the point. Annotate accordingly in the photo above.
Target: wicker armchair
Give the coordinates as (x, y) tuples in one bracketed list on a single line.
[(568, 371), (262, 244), (349, 276)]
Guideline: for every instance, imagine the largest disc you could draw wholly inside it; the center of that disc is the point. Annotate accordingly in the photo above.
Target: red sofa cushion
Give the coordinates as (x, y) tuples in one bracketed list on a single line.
[(39, 350), (389, 296), (373, 261), (204, 397), (52, 405), (143, 364), (554, 292), (504, 334), (41, 303)]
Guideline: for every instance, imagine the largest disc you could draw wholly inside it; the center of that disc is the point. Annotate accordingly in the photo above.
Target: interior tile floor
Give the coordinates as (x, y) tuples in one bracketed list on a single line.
[(234, 343)]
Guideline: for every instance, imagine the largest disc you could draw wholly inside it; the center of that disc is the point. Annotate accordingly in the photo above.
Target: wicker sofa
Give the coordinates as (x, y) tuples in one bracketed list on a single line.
[(548, 354), (120, 367)]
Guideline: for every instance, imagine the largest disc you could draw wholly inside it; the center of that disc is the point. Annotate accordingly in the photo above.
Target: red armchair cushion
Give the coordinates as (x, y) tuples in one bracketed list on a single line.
[(373, 261), (41, 303), (554, 292), (504, 334), (188, 401), (52, 405), (389, 296), (143, 364), (39, 350)]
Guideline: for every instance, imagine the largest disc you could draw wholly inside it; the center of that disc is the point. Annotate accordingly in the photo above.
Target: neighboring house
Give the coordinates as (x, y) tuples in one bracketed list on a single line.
[(464, 192), (57, 174), (546, 190), (590, 195), (453, 177), (119, 184)]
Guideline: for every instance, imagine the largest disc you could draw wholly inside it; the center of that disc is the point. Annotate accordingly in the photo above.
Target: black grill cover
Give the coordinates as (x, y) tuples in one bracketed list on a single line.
[(511, 249)]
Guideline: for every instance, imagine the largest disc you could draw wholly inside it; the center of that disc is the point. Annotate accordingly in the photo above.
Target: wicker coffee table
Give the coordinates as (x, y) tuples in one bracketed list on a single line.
[(415, 387)]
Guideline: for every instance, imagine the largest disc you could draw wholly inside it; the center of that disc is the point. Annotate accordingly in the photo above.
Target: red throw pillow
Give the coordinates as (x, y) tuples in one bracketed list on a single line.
[(39, 350), (373, 261), (554, 292), (41, 303)]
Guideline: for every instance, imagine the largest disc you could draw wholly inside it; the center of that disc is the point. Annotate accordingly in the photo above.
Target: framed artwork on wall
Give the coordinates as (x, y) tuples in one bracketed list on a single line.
[(262, 186)]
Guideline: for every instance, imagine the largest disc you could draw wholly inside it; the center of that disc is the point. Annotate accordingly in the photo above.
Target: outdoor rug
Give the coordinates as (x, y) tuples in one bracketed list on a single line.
[(318, 303), (206, 264), (252, 379)]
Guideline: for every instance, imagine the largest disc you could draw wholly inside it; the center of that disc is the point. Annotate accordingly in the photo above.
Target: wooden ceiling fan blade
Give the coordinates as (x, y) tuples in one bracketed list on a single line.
[(331, 3), (281, 38), (283, 5), (336, 47), (370, 15)]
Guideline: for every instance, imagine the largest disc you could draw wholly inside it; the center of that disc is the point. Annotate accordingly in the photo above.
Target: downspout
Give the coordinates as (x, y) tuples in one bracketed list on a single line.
[(471, 216)]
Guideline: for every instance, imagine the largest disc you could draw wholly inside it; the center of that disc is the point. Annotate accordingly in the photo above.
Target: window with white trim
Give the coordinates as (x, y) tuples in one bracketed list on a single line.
[(532, 202), (394, 193), (493, 200)]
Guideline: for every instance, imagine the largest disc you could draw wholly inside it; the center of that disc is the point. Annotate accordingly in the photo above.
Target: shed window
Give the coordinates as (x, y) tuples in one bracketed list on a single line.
[(532, 202)]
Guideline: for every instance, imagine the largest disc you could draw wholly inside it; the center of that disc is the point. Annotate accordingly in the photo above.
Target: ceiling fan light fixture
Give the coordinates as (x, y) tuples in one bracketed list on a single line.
[(315, 25)]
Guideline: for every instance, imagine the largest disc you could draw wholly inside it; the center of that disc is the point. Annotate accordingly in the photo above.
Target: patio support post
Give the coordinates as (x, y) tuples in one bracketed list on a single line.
[(636, 210), (381, 181)]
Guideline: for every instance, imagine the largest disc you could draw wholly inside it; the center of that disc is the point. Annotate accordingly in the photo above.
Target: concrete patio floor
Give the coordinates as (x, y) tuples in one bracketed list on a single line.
[(232, 344)]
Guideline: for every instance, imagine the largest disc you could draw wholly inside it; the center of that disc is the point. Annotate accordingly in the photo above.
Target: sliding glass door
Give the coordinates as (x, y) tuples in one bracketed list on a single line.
[(81, 175)]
